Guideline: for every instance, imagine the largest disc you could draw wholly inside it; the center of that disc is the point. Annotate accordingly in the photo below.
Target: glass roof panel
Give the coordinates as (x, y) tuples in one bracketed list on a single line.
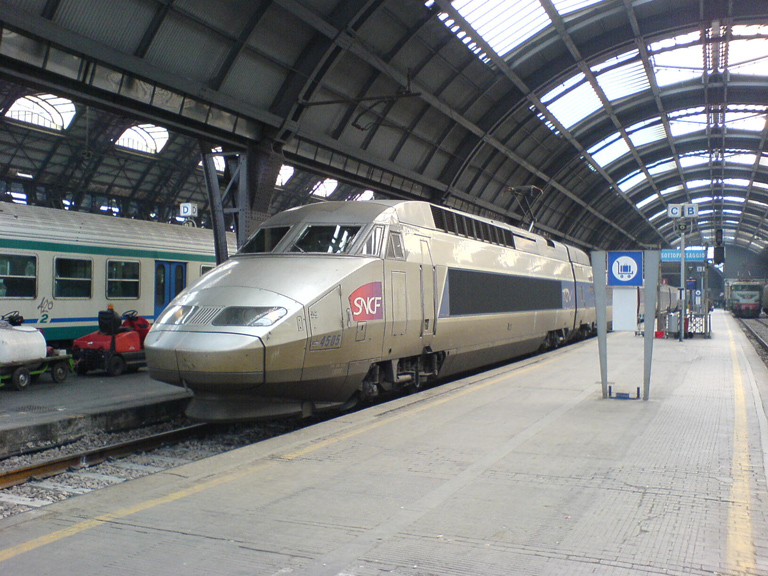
[(676, 66), (657, 215), (599, 67), (504, 24), (698, 183), (325, 188), (648, 135), (146, 138), (46, 110), (748, 57), (624, 81), (661, 167), (646, 201), (695, 159), (615, 150), (671, 189), (567, 85), (572, 107), (284, 175), (746, 117), (741, 157), (567, 6), (631, 181)]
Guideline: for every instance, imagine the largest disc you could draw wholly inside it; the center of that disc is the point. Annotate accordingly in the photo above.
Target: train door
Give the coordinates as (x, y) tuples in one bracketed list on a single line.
[(428, 297), (170, 279)]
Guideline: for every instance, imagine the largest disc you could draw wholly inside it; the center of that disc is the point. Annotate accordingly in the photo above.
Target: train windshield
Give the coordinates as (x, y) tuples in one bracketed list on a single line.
[(264, 240), (326, 239)]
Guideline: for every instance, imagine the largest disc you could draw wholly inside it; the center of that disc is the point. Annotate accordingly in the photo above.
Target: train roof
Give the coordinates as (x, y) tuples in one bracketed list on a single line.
[(53, 226), (408, 212)]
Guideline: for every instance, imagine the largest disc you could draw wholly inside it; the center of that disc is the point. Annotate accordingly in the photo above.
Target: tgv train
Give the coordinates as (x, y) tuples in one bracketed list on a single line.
[(329, 303), (58, 268)]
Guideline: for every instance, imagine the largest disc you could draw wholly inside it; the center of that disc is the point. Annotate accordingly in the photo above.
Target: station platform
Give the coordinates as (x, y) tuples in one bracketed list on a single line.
[(46, 411), (525, 469)]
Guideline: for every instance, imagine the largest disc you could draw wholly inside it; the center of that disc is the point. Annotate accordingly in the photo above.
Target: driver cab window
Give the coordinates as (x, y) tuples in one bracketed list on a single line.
[(372, 244), (395, 250)]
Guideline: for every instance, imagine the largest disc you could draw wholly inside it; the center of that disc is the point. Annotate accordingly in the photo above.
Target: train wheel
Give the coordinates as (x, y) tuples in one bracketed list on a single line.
[(21, 378), (59, 372), (115, 366)]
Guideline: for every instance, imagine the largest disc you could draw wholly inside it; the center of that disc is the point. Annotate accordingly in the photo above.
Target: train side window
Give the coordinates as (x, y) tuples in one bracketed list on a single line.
[(73, 278), (372, 244), (204, 269), (395, 249), (122, 279), (18, 276), (265, 240)]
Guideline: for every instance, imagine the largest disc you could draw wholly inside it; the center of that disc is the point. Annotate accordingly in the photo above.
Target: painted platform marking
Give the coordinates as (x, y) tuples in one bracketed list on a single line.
[(740, 548)]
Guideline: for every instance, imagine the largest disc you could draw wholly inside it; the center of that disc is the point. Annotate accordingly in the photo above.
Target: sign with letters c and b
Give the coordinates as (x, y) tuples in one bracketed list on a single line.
[(625, 268)]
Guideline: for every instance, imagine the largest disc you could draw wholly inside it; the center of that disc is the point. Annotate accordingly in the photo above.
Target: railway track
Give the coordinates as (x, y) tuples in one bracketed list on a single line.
[(88, 458), (758, 329), (25, 486)]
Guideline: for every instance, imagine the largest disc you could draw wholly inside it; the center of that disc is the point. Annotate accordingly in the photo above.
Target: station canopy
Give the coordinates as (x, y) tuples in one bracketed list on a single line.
[(583, 119)]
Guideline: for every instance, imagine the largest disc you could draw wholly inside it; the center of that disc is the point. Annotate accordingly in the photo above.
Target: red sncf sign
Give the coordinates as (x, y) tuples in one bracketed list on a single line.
[(366, 302)]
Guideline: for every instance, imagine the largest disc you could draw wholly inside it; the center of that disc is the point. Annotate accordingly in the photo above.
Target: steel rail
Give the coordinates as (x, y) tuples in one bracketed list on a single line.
[(754, 334), (87, 458)]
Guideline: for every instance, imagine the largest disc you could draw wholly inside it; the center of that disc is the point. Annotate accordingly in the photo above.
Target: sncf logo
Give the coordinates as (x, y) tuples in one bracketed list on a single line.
[(366, 303)]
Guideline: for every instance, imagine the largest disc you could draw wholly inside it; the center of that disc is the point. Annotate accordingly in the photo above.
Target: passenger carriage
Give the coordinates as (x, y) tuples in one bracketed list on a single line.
[(58, 268)]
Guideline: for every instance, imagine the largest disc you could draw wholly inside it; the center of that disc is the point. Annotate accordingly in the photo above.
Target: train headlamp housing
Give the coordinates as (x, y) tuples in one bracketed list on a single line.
[(230, 316), (174, 315), (249, 316)]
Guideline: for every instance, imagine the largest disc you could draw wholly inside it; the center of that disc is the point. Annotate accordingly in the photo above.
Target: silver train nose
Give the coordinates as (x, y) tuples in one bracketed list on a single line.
[(206, 361)]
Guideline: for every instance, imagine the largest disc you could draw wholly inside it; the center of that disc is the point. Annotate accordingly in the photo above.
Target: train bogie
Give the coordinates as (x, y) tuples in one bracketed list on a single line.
[(369, 298)]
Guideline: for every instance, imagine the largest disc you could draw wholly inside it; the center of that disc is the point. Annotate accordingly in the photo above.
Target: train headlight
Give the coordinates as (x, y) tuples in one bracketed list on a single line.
[(174, 315), (249, 316)]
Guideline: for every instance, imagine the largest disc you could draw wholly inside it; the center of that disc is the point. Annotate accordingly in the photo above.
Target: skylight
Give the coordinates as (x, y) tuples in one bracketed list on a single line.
[(325, 188), (572, 107), (285, 174), (605, 152), (146, 138), (46, 110), (503, 24), (624, 81), (631, 181)]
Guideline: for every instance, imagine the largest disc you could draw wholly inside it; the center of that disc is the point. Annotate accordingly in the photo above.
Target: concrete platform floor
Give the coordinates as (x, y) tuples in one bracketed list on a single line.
[(46, 411), (525, 470)]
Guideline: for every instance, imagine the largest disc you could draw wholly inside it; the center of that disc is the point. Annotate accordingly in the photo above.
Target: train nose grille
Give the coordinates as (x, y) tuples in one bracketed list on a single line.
[(202, 315)]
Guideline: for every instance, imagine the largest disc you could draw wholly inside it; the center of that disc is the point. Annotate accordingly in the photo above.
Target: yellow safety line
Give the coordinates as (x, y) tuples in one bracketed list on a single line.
[(740, 548), (219, 480)]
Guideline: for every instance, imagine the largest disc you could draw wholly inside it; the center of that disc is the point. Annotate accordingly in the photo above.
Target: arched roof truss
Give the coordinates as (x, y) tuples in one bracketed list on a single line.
[(604, 111)]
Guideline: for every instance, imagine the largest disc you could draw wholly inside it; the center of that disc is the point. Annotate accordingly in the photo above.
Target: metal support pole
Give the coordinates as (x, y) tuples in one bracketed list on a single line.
[(683, 311), (598, 281), (651, 260)]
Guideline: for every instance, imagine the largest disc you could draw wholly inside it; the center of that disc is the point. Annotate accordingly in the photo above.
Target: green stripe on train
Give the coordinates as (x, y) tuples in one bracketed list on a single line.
[(100, 250)]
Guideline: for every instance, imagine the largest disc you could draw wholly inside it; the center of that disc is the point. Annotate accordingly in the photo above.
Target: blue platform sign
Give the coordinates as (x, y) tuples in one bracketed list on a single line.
[(691, 255), (625, 268)]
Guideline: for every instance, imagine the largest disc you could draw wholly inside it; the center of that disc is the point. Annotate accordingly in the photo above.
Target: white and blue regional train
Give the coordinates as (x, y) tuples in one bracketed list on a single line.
[(329, 303), (58, 268)]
